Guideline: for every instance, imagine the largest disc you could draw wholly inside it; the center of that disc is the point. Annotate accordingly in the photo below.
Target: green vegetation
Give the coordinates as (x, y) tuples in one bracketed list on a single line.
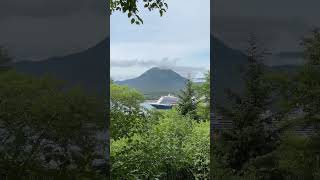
[(248, 137), (48, 133), (131, 8), (125, 112), (203, 93), (262, 145), (187, 104), (151, 144)]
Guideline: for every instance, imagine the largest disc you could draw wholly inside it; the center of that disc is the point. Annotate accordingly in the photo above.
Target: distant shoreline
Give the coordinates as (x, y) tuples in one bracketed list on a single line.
[(150, 101)]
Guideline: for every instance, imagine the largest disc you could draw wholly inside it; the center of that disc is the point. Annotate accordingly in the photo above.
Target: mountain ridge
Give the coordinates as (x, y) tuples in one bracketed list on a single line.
[(230, 64), (87, 69), (90, 69)]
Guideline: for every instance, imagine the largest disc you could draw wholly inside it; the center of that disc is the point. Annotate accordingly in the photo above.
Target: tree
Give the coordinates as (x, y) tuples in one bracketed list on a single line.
[(204, 89), (296, 156), (312, 48), (126, 113), (203, 96), (301, 90), (249, 137), (131, 8), (187, 104), (46, 133)]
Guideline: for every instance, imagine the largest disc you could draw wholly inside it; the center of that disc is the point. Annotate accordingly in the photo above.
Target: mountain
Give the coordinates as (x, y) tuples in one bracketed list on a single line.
[(156, 81), (88, 69), (228, 66)]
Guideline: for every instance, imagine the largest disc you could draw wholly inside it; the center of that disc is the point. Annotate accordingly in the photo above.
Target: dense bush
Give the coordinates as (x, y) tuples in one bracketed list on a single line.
[(174, 147), (298, 157), (126, 113), (46, 132)]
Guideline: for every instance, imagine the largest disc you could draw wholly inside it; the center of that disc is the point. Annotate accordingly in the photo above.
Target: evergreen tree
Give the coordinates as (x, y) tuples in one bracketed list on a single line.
[(249, 136), (187, 104), (203, 96)]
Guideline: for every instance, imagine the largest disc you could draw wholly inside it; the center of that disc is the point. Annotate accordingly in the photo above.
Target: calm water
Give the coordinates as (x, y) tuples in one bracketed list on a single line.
[(147, 105)]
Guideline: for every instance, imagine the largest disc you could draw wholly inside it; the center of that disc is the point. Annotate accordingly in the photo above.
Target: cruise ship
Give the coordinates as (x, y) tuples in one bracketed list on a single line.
[(165, 102)]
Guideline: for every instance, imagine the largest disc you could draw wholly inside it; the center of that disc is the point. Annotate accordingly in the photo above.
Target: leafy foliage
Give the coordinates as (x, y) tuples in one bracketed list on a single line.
[(170, 148), (125, 112), (197, 148), (299, 157), (48, 133), (131, 8)]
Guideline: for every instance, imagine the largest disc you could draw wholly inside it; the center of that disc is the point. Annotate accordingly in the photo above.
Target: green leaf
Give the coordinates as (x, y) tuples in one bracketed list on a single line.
[(132, 20), (140, 19), (166, 5)]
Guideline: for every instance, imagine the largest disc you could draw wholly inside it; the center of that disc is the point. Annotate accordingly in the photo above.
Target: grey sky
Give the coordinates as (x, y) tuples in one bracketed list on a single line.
[(37, 29), (280, 25)]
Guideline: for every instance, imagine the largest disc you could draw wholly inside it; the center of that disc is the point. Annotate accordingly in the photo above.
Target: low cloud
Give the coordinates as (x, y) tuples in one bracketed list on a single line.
[(139, 66), (144, 63), (190, 72)]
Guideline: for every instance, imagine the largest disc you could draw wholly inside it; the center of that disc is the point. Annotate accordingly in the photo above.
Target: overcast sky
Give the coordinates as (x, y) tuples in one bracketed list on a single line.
[(37, 29), (279, 24), (180, 40)]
